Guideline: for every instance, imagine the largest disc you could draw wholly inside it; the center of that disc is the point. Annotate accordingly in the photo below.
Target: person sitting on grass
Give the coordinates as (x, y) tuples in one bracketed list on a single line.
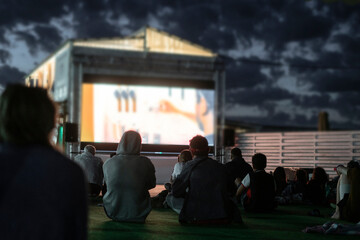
[(183, 158), (236, 168), (166, 198), (280, 180), (348, 192), (43, 193), (315, 189), (203, 184), (92, 167), (128, 177), (295, 189), (259, 187)]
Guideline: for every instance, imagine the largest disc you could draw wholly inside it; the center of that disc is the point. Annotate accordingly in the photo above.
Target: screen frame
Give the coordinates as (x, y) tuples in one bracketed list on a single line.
[(149, 149)]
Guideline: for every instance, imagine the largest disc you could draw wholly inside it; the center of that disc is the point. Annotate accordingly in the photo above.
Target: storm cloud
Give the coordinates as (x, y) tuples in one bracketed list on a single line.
[(288, 59)]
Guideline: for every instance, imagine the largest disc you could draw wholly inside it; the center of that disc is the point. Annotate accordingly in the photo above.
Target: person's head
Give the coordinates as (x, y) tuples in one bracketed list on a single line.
[(353, 164), (27, 115), (259, 161), (199, 146), (280, 174), (184, 156), (236, 153), (320, 175), (130, 143), (90, 149), (301, 176)]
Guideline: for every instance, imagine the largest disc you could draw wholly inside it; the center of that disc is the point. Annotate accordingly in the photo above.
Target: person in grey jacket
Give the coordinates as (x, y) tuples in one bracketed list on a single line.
[(92, 167), (128, 177)]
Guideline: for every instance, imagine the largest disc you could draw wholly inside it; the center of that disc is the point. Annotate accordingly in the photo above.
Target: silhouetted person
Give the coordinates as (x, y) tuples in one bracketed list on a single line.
[(295, 189), (128, 177), (92, 167), (348, 192), (237, 168), (170, 201), (203, 184), (280, 180), (315, 189), (43, 193), (259, 187)]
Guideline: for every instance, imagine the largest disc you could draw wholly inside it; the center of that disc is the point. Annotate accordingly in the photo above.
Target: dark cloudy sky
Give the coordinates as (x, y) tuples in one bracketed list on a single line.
[(286, 60)]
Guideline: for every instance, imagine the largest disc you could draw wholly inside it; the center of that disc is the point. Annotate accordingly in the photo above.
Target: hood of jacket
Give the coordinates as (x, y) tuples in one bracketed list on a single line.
[(130, 144)]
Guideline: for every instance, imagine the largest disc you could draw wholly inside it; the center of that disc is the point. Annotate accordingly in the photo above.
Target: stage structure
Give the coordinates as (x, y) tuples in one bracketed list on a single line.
[(163, 86)]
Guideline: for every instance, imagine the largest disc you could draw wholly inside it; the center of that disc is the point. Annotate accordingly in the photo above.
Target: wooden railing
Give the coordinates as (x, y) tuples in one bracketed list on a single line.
[(302, 149)]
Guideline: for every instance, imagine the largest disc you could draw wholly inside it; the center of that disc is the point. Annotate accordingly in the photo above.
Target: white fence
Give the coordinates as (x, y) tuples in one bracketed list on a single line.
[(302, 149)]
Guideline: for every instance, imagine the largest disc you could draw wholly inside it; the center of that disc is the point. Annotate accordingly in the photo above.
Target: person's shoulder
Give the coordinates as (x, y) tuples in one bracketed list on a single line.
[(54, 158)]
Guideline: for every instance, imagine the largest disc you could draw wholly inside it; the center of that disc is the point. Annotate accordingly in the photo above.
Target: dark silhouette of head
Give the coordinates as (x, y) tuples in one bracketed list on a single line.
[(280, 174), (90, 149), (27, 115), (320, 175), (199, 146), (185, 156), (259, 161), (236, 153), (301, 176), (353, 164)]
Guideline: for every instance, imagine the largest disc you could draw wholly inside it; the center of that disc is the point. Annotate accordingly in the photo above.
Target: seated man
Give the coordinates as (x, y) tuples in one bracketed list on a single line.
[(237, 168), (128, 177), (92, 167), (260, 187), (203, 183), (43, 193)]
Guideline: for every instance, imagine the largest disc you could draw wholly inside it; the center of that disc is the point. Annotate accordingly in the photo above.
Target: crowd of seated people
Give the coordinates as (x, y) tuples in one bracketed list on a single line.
[(201, 190)]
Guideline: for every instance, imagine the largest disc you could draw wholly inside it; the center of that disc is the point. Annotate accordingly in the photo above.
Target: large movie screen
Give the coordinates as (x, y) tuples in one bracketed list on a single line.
[(162, 115)]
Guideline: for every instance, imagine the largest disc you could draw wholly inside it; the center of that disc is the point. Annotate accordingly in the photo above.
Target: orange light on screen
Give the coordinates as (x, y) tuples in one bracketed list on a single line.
[(87, 113)]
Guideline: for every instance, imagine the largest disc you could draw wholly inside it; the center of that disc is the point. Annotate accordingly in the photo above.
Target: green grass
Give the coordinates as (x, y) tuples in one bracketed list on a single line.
[(285, 223)]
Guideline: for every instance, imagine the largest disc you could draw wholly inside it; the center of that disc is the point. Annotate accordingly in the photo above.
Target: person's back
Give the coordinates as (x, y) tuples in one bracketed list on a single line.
[(203, 183), (128, 177), (262, 189), (259, 187), (236, 168), (315, 188), (280, 180), (43, 193), (92, 167)]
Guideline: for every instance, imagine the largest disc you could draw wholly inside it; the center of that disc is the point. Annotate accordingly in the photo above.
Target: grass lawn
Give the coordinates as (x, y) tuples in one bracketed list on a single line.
[(285, 223)]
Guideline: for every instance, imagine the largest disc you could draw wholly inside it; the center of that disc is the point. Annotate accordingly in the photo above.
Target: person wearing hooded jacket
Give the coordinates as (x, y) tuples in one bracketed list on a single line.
[(128, 177)]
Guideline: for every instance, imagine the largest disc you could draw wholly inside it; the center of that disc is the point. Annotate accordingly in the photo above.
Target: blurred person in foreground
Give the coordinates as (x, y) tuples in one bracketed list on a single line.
[(128, 177), (43, 193), (92, 167), (203, 184)]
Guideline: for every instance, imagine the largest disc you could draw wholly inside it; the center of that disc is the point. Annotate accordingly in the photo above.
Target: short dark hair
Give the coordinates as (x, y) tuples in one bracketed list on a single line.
[(199, 146), (236, 152), (27, 115), (259, 161)]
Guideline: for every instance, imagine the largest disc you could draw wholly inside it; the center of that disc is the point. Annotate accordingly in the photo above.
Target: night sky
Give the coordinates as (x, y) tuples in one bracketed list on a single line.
[(286, 60)]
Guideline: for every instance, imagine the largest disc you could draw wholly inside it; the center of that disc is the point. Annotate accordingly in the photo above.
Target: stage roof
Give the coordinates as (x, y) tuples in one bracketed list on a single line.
[(148, 39)]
